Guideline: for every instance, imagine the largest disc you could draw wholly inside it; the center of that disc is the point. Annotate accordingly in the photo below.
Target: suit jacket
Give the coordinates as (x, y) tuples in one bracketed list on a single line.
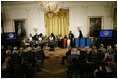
[(71, 36)]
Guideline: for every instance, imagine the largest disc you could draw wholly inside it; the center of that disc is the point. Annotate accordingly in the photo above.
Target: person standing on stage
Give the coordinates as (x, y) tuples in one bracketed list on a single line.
[(60, 39), (52, 37), (36, 36), (80, 33), (71, 37), (31, 40), (51, 44), (36, 39)]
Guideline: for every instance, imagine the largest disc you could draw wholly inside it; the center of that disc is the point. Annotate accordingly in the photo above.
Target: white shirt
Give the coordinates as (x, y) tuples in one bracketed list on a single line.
[(40, 38), (30, 38), (51, 38), (60, 37)]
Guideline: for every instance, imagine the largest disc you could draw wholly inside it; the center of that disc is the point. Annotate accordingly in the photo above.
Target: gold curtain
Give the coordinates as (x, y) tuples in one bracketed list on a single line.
[(58, 23)]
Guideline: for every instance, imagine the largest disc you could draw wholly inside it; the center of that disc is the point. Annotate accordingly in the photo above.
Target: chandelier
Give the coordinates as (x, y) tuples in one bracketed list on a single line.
[(50, 6)]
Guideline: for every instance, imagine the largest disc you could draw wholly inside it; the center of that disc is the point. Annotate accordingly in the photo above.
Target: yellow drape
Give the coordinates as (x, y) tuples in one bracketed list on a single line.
[(58, 24)]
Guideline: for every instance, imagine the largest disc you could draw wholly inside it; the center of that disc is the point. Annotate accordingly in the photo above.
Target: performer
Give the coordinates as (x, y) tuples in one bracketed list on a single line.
[(35, 37), (80, 33), (60, 38), (52, 37), (71, 37), (51, 42), (36, 40), (65, 37), (40, 38), (31, 40)]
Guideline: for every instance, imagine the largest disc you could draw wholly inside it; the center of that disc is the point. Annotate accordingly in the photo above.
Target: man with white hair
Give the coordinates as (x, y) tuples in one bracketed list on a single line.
[(15, 50), (102, 49)]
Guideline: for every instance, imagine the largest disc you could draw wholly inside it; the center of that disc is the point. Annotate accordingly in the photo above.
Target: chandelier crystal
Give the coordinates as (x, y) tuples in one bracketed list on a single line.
[(50, 6)]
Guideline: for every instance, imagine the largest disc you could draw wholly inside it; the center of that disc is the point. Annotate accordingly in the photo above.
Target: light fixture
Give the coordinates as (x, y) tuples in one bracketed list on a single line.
[(50, 7)]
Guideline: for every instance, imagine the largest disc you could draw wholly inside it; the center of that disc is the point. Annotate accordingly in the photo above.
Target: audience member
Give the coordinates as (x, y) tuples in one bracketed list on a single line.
[(67, 54), (110, 49), (7, 68), (15, 50), (102, 49), (3, 54)]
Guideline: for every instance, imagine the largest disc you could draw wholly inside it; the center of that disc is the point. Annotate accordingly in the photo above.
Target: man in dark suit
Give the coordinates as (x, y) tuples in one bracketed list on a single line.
[(71, 36)]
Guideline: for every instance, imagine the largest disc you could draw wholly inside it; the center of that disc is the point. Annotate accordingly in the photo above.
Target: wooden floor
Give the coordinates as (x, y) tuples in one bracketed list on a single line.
[(51, 68)]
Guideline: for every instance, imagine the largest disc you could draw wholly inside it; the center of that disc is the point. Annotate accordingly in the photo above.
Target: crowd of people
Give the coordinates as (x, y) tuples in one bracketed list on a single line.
[(95, 63), (18, 63)]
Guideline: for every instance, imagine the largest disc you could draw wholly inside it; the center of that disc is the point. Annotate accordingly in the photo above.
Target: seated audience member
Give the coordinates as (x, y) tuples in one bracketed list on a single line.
[(82, 57), (21, 50), (87, 50), (112, 70), (92, 56), (102, 49), (67, 54), (2, 49), (101, 72), (7, 68), (8, 54), (73, 55), (18, 67), (115, 49), (3, 54), (105, 71), (101, 57), (107, 58), (29, 63), (114, 59), (9, 48), (15, 50), (38, 58), (73, 68), (60, 39), (110, 49)]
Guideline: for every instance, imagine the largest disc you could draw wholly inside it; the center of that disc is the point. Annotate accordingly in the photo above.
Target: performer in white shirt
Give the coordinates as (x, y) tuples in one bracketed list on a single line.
[(51, 43), (60, 39), (51, 38), (30, 37), (31, 40)]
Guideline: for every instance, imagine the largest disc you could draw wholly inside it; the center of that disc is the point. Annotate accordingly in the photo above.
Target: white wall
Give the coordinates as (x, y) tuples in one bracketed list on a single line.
[(78, 15)]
